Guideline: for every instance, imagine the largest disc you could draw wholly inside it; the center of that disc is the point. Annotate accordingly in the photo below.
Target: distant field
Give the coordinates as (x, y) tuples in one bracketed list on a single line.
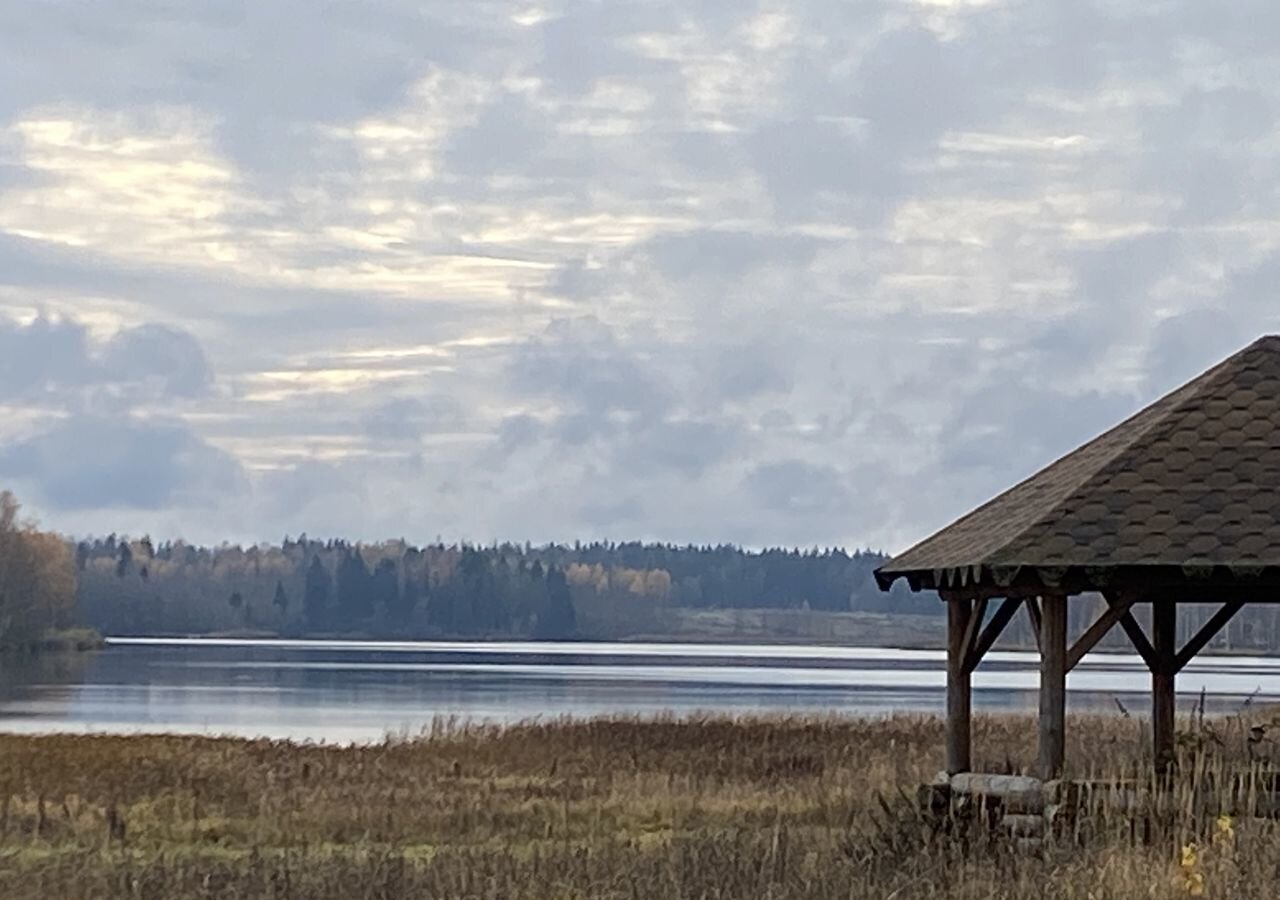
[(800, 626), (714, 809)]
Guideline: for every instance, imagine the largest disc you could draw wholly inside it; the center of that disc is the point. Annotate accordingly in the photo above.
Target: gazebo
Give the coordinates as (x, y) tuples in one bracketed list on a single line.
[(1179, 504)]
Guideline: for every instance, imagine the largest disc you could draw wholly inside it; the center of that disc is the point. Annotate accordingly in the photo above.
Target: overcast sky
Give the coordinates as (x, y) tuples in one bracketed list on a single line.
[(807, 272)]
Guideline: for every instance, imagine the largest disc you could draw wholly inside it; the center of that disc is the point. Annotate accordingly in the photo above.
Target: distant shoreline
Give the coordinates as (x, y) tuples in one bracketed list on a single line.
[(657, 640), (71, 640)]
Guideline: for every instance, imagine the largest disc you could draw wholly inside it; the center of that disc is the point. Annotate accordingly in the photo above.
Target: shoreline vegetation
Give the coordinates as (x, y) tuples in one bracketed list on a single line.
[(61, 640), (712, 808), (393, 590), (37, 587)]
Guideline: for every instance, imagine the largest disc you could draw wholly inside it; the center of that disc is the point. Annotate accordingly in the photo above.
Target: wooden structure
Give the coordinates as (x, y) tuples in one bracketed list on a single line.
[(1179, 504)]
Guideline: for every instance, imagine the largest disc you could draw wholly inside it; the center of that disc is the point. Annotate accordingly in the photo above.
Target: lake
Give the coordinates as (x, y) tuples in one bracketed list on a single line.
[(343, 691)]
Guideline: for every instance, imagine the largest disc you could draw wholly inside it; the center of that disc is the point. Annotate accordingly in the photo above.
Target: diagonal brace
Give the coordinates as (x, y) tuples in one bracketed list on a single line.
[(977, 613), (1207, 633), (1033, 613), (1097, 631), (1136, 635), (1003, 616)]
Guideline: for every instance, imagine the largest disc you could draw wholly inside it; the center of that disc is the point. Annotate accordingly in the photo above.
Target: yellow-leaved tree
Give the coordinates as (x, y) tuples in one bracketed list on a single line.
[(37, 577)]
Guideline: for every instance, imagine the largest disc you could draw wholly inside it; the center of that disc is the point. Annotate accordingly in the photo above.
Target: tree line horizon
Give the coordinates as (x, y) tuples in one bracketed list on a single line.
[(396, 589), (305, 587)]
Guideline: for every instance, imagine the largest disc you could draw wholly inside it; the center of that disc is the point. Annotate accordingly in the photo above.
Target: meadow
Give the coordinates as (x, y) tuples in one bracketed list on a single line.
[(709, 809)]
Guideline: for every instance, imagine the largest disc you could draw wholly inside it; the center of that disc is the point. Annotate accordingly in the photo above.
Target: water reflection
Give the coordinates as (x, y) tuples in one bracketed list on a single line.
[(54, 676), (351, 691)]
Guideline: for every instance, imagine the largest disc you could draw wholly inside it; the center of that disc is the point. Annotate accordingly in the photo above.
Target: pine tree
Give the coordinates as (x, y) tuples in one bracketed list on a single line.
[(317, 595), (281, 600)]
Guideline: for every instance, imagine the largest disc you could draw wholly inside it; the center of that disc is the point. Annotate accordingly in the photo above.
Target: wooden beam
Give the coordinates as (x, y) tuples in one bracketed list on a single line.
[(1164, 629), (959, 688), (1137, 636), (988, 592), (1033, 613), (977, 613), (1210, 630), (1004, 615), (1053, 685), (1096, 632), (1166, 582)]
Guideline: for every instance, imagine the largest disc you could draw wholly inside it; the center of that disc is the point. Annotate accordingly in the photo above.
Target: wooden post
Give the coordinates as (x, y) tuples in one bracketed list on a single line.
[(959, 690), (1164, 624), (1053, 685)]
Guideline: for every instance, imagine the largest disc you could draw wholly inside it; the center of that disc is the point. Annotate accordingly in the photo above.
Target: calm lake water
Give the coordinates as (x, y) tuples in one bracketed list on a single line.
[(341, 691)]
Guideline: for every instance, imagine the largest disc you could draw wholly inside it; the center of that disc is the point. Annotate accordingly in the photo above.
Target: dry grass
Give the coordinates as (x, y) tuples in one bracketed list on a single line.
[(774, 808)]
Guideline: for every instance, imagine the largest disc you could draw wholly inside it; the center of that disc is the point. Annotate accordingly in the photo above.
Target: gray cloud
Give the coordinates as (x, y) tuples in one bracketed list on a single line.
[(580, 366), (725, 254), (409, 418), (1185, 345), (43, 356), (93, 462), (799, 487), (54, 357), (170, 360)]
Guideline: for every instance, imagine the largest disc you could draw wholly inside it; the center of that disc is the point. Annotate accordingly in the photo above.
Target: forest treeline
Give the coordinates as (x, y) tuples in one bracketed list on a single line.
[(392, 589), (37, 579), (305, 586), (598, 590)]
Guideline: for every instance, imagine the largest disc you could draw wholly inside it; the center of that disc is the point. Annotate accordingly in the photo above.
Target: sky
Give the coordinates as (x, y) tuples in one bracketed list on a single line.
[(818, 272)]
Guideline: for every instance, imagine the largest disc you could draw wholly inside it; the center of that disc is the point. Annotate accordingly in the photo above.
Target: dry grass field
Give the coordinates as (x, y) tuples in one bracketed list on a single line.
[(644, 810)]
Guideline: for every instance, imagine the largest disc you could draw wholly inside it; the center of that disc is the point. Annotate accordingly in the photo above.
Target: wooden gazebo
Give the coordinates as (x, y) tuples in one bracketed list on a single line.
[(1179, 504)]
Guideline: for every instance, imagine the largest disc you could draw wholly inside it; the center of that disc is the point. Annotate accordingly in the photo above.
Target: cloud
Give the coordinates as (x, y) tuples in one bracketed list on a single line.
[(798, 487), (167, 360), (725, 254), (812, 271), (580, 366), (43, 356), (91, 462), (408, 419), (57, 359), (1187, 344)]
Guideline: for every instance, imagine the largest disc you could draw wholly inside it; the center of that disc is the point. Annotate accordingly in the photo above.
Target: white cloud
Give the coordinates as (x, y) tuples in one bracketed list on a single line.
[(101, 181)]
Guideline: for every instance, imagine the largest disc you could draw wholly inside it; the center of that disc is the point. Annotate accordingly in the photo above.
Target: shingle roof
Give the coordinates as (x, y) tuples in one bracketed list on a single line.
[(1191, 481)]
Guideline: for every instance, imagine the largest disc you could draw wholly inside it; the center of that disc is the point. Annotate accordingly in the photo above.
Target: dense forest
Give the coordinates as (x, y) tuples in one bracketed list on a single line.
[(598, 590), (306, 586)]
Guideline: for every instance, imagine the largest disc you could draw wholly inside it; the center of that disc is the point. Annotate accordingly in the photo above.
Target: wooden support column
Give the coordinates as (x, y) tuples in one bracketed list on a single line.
[(959, 688), (1164, 625), (1053, 685)]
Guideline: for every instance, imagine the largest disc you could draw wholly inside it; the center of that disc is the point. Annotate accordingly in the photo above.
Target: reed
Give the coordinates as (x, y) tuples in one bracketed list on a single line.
[(622, 808)]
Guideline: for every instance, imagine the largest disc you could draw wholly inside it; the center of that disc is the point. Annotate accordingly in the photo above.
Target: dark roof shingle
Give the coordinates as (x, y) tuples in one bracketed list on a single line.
[(1193, 480)]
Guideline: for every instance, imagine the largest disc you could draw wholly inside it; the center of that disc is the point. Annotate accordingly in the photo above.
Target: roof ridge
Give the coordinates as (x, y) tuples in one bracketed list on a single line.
[(1159, 415), (1144, 492), (1192, 389)]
